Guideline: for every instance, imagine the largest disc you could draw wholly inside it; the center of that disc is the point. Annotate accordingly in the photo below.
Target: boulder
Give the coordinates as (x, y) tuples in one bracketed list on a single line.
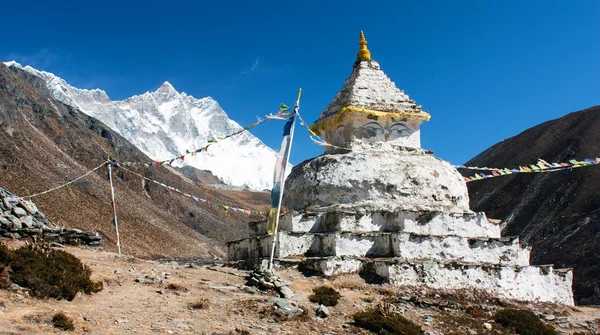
[(322, 311), (19, 212), (4, 222), (27, 221), (286, 308), (286, 292), (29, 206), (16, 223)]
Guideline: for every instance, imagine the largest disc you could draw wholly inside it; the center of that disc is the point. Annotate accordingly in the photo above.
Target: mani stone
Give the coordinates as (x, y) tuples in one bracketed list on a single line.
[(5, 222), (29, 206), (27, 221), (376, 203), (19, 212)]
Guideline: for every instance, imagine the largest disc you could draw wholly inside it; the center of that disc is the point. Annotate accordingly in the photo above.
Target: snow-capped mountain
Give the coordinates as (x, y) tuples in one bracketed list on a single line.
[(165, 123)]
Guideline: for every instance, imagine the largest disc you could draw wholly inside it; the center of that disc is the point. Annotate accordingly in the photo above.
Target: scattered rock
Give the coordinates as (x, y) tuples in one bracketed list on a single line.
[(285, 308), (322, 311), (487, 326), (286, 292)]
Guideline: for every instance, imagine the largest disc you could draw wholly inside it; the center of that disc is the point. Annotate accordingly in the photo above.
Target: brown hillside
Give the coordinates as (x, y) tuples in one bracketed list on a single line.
[(46, 143), (557, 213)]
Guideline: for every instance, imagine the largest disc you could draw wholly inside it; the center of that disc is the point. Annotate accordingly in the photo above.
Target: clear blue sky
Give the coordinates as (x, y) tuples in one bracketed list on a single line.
[(485, 70)]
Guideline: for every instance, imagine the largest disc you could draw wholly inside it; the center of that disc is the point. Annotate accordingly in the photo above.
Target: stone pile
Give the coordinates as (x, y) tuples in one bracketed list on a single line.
[(21, 219), (265, 279)]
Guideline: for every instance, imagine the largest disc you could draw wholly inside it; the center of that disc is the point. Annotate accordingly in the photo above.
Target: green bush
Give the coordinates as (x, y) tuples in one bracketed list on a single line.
[(325, 295), (61, 321), (523, 322), (49, 273), (379, 322)]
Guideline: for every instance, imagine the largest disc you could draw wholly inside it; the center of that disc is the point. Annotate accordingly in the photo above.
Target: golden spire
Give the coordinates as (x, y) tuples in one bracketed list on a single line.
[(363, 53)]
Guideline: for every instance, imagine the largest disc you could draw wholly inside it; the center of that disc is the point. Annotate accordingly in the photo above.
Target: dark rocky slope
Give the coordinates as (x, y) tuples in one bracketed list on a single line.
[(45, 143), (556, 213)]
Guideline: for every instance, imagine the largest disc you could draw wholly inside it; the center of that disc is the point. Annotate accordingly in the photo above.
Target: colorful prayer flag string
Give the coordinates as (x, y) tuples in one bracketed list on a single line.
[(540, 167)]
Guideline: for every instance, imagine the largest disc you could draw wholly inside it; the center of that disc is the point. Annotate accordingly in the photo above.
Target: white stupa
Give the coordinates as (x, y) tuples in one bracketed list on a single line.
[(387, 207)]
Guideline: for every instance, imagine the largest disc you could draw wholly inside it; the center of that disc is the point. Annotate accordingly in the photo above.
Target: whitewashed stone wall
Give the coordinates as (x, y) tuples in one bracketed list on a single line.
[(381, 176)]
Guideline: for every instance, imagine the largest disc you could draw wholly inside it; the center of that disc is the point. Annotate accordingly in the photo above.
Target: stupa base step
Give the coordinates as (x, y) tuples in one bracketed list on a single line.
[(503, 251), (541, 283)]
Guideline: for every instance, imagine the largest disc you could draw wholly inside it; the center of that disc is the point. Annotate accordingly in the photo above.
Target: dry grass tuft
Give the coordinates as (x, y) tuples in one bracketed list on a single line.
[(325, 295), (200, 304), (176, 287), (523, 322), (383, 320), (61, 321)]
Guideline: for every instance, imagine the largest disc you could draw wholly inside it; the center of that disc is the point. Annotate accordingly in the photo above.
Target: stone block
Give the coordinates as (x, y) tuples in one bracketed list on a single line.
[(29, 206), (338, 219), (505, 251), (27, 222), (19, 212)]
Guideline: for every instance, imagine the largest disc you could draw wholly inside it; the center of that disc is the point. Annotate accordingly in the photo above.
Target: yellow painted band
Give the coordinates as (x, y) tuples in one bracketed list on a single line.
[(336, 119)]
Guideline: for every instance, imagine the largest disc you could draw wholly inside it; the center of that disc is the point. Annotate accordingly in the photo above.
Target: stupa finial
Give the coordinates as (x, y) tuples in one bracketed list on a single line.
[(363, 53)]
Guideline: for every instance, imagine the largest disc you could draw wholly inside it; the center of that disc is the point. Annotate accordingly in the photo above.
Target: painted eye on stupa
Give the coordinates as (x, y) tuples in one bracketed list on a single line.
[(373, 127), (400, 129)]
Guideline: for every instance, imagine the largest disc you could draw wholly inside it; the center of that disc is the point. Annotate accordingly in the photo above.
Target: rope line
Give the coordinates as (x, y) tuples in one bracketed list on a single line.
[(174, 189), (65, 184)]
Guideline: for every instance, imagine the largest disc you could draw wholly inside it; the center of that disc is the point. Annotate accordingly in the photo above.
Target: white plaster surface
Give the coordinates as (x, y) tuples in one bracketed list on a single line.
[(374, 244), (335, 266), (380, 175), (530, 283), (355, 219), (443, 248)]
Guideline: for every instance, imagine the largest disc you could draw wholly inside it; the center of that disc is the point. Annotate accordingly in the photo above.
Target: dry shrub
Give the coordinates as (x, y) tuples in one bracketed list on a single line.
[(350, 284), (382, 320), (325, 295), (523, 322), (176, 287), (49, 273), (4, 279), (61, 321), (200, 304), (4, 254), (477, 313)]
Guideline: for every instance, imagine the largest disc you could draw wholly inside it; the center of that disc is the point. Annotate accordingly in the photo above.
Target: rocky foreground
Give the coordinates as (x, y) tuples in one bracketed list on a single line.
[(149, 297)]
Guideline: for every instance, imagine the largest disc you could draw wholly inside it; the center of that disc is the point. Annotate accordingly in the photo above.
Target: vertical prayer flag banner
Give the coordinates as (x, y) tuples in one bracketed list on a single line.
[(279, 173)]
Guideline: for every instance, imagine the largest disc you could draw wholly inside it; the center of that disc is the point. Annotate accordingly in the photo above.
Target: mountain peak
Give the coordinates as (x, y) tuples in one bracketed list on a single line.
[(166, 91), (13, 63)]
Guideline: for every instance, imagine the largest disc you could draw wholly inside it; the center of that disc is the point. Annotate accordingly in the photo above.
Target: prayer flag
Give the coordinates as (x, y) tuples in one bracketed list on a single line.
[(279, 173)]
